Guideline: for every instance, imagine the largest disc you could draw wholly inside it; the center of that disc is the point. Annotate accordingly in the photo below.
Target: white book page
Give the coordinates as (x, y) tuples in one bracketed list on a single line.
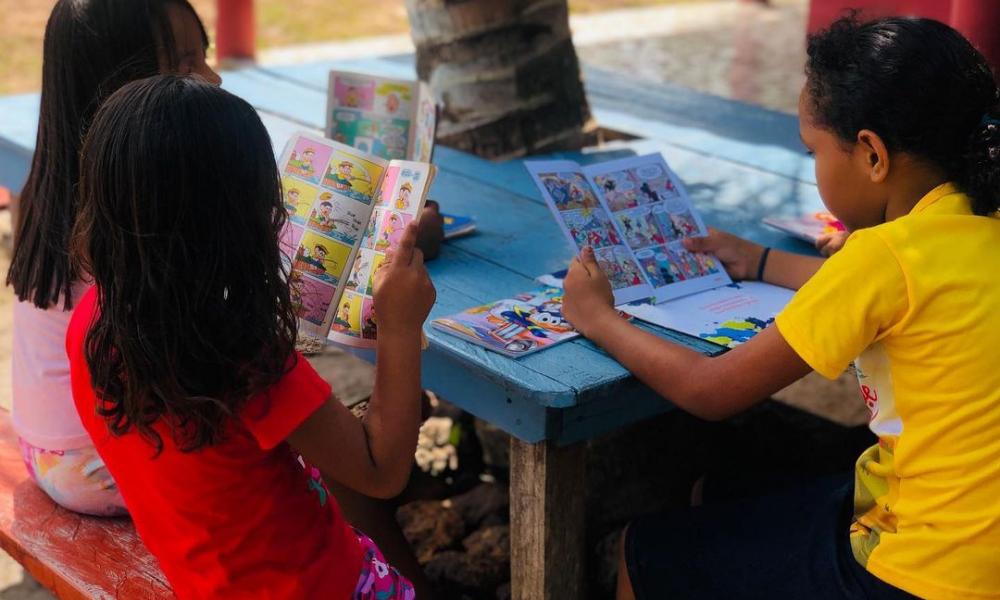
[(586, 221), (653, 214), (728, 315)]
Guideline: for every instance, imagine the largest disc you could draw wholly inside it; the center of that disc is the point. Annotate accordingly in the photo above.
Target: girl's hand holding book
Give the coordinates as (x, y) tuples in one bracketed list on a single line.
[(587, 298), (740, 257), (403, 292)]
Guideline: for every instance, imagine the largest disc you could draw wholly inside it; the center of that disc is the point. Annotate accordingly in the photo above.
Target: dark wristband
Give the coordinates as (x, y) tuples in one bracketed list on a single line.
[(763, 264)]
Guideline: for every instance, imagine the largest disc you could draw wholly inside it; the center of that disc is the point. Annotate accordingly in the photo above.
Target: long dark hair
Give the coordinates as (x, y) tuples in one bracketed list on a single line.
[(178, 225), (919, 85), (92, 47)]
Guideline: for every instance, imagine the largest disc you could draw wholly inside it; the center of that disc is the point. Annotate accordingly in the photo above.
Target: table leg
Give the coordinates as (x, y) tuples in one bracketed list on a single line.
[(546, 520)]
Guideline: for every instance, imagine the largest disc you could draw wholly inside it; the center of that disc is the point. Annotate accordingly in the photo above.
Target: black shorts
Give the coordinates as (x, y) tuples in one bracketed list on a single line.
[(789, 545)]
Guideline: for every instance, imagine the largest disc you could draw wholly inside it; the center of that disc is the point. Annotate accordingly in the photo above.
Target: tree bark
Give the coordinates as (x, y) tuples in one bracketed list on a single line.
[(505, 73)]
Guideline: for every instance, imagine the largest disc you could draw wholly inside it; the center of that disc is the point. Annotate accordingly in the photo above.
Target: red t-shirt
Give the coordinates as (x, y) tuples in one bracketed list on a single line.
[(240, 519)]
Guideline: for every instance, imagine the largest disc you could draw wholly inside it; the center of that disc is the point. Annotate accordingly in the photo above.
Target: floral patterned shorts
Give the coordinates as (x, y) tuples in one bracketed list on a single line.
[(379, 580), (75, 479)]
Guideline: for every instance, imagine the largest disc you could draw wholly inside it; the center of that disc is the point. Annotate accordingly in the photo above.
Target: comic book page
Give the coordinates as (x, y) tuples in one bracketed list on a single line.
[(729, 315), (514, 327), (652, 214), (585, 221), (400, 199), (392, 119), (329, 191)]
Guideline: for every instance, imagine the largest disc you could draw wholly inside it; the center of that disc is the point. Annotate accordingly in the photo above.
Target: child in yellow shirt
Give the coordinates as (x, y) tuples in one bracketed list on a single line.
[(902, 116)]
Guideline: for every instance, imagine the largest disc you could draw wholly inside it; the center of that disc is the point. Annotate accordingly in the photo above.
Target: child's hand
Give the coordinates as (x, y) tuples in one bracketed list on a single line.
[(403, 292), (587, 296), (740, 257), (829, 243)]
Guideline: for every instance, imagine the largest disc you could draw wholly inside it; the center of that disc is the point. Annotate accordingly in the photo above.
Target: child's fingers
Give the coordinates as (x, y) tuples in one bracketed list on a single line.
[(407, 244), (697, 244), (589, 260)]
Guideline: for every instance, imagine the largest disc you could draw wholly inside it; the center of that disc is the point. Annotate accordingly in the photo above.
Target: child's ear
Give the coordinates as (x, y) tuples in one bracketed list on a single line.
[(873, 155)]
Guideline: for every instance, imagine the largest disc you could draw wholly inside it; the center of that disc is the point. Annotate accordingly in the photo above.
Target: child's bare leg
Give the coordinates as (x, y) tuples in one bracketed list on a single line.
[(377, 519), (624, 591)]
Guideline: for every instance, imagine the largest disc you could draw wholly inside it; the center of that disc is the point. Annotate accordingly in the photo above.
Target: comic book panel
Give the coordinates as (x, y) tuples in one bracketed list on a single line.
[(569, 190), (618, 264), (354, 91), (402, 189), (361, 272), (369, 325), (310, 297), (348, 317), (352, 176), (298, 197), (338, 218), (391, 231), (371, 229), (590, 227), (308, 160), (640, 227), (386, 137), (321, 257)]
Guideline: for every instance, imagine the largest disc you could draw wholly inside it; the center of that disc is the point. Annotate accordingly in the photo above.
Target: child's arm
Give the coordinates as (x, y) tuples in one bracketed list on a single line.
[(710, 388), (374, 456), (742, 259)]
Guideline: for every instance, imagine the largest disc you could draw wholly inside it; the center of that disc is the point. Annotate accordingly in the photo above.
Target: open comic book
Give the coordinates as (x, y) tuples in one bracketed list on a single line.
[(634, 213), (392, 119), (345, 209)]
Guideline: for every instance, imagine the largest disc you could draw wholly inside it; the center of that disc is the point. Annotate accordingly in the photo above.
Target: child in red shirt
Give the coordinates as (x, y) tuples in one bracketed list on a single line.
[(183, 364)]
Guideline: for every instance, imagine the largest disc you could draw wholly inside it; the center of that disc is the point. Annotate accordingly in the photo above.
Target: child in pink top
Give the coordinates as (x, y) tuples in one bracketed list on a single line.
[(92, 47)]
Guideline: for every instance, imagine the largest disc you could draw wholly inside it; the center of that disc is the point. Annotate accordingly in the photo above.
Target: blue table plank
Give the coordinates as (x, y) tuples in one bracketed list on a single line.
[(18, 128)]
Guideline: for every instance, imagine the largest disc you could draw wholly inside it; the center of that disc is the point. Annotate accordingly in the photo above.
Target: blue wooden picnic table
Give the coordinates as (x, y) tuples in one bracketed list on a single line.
[(739, 163)]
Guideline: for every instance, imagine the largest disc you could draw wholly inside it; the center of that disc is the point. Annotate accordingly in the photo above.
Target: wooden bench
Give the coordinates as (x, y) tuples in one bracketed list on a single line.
[(74, 556)]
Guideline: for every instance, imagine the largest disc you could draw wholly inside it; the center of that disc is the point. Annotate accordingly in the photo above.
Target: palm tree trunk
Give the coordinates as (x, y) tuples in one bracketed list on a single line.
[(505, 73)]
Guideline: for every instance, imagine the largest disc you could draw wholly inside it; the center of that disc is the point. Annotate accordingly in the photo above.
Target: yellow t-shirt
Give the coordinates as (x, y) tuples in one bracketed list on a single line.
[(916, 304)]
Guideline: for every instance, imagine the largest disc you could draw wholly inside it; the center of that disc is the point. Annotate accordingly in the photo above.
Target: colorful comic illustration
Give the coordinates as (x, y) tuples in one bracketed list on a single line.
[(402, 187), (590, 227), (620, 267), (321, 257), (377, 261), (347, 320), (394, 98), (569, 190), (386, 137), (361, 271), (353, 91), (342, 221), (308, 160), (640, 227), (353, 176), (310, 297), (521, 325), (646, 184), (298, 198), (368, 239), (391, 230)]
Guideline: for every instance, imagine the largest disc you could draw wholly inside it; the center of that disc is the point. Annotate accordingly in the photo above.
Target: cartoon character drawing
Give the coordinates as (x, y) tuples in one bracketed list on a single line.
[(292, 200), (342, 322), (648, 191), (392, 226), (303, 165), (312, 261), (295, 289), (341, 180), (518, 328), (360, 269), (352, 98), (403, 201), (322, 217), (369, 327)]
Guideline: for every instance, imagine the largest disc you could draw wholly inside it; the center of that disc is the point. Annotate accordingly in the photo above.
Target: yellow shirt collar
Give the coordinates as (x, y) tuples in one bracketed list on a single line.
[(945, 189)]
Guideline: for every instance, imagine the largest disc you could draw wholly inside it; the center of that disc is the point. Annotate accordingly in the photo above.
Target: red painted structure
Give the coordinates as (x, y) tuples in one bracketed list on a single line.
[(978, 20), (234, 30)]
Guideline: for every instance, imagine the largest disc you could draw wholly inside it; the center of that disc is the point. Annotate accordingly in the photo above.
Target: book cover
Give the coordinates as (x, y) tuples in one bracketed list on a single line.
[(457, 226), (807, 228), (514, 327)]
